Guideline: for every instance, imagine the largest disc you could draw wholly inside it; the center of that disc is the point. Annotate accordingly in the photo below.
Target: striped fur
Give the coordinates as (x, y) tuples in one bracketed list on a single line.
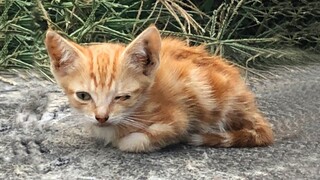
[(177, 93)]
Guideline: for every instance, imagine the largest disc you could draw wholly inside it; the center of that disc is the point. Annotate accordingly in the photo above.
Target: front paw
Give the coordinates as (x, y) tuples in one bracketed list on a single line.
[(107, 133), (135, 142)]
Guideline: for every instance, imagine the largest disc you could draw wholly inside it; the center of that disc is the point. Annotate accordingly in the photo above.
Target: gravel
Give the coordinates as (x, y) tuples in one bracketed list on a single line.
[(42, 138)]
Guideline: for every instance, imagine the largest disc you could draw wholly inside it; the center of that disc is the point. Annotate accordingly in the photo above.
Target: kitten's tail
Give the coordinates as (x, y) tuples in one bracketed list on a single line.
[(259, 135)]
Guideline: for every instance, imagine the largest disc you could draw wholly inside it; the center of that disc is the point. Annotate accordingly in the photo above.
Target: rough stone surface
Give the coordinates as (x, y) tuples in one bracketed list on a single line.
[(41, 137)]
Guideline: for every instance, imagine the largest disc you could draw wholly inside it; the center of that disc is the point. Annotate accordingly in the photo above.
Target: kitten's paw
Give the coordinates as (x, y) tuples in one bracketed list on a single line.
[(195, 140), (107, 134), (135, 142)]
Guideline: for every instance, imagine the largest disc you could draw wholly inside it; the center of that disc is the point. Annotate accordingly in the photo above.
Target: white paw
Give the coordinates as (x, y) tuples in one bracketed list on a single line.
[(135, 142), (107, 134), (195, 140)]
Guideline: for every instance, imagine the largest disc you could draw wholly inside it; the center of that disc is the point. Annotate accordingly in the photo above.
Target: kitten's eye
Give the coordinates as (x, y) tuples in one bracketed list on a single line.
[(83, 96), (122, 98)]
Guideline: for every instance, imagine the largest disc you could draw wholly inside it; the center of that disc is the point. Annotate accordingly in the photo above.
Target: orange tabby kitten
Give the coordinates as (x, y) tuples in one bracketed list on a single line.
[(155, 92)]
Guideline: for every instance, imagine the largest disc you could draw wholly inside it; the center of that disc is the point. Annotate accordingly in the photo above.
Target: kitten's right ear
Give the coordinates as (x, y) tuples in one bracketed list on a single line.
[(63, 53)]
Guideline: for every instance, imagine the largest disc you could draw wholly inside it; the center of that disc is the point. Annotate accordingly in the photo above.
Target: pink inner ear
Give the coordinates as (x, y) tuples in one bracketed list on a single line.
[(61, 52), (140, 58), (54, 46), (143, 53)]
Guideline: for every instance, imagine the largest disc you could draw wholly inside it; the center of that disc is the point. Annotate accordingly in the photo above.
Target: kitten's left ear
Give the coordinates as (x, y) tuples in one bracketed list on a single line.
[(143, 53)]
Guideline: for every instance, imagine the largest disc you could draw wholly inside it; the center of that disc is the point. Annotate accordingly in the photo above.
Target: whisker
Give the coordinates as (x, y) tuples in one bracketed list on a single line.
[(131, 124), (130, 116), (121, 125), (135, 124), (138, 119), (142, 113)]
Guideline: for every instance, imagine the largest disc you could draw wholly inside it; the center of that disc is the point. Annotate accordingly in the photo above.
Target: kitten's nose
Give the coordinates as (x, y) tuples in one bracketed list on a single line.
[(102, 119)]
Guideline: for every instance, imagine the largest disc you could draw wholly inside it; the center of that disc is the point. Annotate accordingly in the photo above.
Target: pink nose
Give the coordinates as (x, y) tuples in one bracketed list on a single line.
[(102, 119)]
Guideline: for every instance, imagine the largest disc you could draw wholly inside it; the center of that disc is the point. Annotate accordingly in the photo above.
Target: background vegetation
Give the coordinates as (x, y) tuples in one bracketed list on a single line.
[(251, 33)]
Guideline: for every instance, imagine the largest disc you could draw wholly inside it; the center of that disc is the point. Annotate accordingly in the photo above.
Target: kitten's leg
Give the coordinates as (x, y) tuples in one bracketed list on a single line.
[(259, 135), (154, 137), (135, 142)]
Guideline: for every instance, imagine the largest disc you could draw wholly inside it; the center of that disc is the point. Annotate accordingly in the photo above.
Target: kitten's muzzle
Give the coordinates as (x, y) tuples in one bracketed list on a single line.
[(102, 119)]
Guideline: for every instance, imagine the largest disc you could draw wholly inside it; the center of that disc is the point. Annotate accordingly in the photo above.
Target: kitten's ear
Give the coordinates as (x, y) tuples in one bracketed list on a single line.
[(143, 53), (62, 53)]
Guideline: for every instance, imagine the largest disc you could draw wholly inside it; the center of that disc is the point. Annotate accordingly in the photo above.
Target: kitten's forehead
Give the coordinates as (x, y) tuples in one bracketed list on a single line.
[(103, 64)]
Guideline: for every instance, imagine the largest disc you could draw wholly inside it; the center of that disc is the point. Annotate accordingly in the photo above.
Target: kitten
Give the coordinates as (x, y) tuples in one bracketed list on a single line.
[(155, 92)]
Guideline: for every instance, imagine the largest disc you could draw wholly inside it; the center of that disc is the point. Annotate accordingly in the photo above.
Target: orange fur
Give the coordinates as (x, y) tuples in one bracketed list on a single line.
[(177, 93)]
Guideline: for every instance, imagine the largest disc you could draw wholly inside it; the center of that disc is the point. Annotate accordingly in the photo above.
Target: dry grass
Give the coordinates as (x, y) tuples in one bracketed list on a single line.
[(252, 33)]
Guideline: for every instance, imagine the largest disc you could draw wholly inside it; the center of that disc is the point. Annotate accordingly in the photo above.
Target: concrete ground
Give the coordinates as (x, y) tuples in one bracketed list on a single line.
[(40, 137)]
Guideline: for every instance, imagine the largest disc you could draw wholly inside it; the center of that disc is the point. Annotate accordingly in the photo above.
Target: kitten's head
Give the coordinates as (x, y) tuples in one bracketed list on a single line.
[(105, 80)]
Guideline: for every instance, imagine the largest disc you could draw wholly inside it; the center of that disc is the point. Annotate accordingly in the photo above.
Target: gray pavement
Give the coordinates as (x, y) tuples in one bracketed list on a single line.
[(40, 137)]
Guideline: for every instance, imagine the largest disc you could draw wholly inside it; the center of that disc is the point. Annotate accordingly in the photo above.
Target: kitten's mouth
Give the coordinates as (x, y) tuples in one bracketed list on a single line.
[(105, 124)]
